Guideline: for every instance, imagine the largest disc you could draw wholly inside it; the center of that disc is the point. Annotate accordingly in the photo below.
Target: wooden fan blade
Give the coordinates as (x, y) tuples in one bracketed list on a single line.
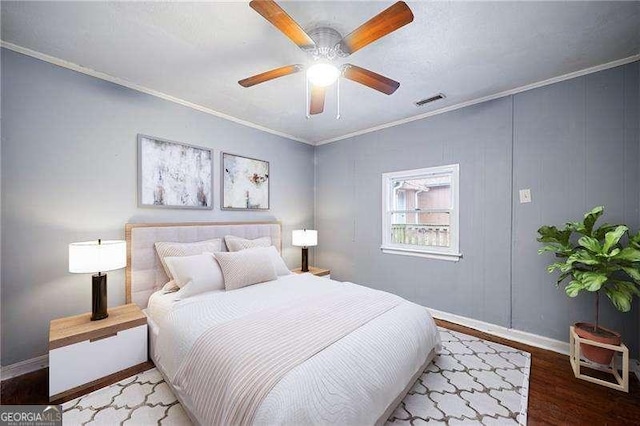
[(370, 79), (281, 20), (317, 100), (269, 75), (387, 21)]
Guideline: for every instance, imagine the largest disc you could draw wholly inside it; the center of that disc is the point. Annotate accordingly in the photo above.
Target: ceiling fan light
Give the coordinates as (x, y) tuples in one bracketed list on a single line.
[(322, 74)]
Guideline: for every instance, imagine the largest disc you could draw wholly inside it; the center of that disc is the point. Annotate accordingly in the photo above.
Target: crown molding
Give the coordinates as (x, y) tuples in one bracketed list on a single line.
[(510, 92), (103, 76)]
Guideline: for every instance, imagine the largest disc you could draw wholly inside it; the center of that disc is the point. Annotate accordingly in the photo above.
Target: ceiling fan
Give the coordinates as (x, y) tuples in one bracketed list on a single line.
[(324, 45)]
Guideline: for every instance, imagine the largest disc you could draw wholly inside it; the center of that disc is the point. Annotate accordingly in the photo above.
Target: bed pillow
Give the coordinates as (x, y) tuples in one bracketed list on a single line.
[(166, 249), (199, 272), (277, 260), (245, 268), (170, 287), (237, 243)]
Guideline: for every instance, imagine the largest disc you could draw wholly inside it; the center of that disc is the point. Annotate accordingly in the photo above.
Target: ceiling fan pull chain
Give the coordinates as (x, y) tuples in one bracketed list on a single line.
[(306, 93), (338, 98)]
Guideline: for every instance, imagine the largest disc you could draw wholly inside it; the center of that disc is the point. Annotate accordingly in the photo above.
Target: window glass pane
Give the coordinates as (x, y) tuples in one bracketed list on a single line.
[(401, 200), (421, 229), (432, 192)]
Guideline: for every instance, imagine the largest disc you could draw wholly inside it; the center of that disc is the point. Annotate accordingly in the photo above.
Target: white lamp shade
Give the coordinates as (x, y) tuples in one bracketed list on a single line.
[(304, 238), (89, 257)]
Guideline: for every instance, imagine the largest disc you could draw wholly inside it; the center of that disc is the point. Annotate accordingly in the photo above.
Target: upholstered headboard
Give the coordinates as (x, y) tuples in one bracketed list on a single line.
[(144, 273)]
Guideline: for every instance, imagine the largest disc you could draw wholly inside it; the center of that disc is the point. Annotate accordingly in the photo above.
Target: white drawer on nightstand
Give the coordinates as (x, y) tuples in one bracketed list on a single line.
[(80, 363)]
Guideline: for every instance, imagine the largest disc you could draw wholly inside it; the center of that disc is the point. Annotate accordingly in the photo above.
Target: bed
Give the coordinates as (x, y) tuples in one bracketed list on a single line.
[(356, 377)]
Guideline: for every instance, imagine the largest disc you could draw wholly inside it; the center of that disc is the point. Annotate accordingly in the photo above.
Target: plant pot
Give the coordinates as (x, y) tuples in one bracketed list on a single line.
[(602, 335)]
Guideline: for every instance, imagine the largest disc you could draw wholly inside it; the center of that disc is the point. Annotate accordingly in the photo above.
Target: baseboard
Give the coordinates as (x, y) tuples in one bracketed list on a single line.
[(24, 367), (33, 364), (504, 332), (635, 367), (518, 336)]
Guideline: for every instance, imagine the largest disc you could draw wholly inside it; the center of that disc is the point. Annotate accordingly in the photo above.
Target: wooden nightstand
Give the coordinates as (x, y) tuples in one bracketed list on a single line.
[(84, 352), (319, 272)]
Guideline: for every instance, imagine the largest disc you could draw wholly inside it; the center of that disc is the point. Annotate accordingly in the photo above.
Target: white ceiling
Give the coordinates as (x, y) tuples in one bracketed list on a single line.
[(198, 51)]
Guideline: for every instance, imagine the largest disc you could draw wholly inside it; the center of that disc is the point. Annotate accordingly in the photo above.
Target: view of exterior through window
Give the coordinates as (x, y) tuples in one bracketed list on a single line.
[(423, 208), (420, 210)]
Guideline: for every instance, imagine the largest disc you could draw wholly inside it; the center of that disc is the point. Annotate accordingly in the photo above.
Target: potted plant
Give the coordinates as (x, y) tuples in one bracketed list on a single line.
[(595, 260)]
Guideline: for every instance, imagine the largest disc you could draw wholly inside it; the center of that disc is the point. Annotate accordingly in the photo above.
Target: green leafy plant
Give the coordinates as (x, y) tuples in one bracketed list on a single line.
[(595, 259)]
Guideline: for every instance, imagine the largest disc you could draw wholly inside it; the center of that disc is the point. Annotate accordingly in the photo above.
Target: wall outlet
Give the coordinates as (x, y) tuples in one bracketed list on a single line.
[(525, 196)]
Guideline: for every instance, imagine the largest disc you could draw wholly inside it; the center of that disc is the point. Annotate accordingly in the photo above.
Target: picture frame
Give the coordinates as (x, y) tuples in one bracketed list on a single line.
[(174, 175), (245, 183)]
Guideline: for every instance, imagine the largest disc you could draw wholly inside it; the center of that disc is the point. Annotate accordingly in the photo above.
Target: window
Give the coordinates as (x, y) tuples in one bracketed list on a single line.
[(420, 212)]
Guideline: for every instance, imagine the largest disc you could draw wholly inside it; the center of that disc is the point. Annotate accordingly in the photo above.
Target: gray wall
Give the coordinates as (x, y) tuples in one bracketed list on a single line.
[(575, 144), (69, 174), (349, 210)]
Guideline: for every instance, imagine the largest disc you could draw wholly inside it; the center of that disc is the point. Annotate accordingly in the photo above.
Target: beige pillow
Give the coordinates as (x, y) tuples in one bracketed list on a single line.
[(237, 243), (169, 249), (244, 268)]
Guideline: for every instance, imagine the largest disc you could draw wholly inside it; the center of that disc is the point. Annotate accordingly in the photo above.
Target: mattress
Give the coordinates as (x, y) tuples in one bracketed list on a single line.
[(161, 303), (352, 381)]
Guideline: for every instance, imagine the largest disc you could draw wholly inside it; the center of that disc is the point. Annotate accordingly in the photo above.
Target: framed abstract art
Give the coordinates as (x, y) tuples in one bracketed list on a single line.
[(174, 175), (245, 183)]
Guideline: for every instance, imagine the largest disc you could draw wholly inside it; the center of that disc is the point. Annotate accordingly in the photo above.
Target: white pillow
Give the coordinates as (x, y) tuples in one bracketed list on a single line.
[(199, 272), (246, 267), (237, 243), (277, 260), (166, 249)]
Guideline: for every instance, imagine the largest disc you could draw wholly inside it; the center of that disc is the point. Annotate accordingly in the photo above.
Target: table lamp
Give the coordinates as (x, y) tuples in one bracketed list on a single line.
[(304, 238), (97, 256)]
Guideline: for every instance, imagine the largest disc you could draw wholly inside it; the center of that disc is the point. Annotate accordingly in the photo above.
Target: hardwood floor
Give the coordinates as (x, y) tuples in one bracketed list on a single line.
[(555, 396), (30, 388), (33, 388)]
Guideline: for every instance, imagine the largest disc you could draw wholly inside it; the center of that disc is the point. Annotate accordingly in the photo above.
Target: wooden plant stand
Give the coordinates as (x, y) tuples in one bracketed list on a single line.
[(622, 382)]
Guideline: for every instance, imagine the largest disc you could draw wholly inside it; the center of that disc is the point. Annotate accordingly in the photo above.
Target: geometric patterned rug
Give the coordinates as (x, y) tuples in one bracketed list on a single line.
[(471, 381)]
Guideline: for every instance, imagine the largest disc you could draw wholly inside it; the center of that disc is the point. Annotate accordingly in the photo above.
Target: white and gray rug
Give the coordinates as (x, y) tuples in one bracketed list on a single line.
[(471, 381)]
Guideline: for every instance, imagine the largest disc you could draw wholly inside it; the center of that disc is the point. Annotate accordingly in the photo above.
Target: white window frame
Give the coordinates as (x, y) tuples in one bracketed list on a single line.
[(451, 253)]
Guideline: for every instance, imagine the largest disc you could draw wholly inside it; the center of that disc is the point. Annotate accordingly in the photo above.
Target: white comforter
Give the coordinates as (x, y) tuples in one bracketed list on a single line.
[(353, 381)]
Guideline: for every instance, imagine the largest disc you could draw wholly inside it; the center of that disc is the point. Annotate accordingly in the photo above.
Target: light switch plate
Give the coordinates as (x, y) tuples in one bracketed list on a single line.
[(525, 196)]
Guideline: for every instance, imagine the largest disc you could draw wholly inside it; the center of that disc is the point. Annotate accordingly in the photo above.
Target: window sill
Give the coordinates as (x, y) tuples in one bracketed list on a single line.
[(451, 257)]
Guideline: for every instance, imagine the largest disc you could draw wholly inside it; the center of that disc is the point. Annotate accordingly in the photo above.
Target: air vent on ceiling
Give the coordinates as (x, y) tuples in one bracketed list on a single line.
[(429, 100)]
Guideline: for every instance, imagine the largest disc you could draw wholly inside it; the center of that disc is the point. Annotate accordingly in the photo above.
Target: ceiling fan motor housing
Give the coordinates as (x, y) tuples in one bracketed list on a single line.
[(327, 43)]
